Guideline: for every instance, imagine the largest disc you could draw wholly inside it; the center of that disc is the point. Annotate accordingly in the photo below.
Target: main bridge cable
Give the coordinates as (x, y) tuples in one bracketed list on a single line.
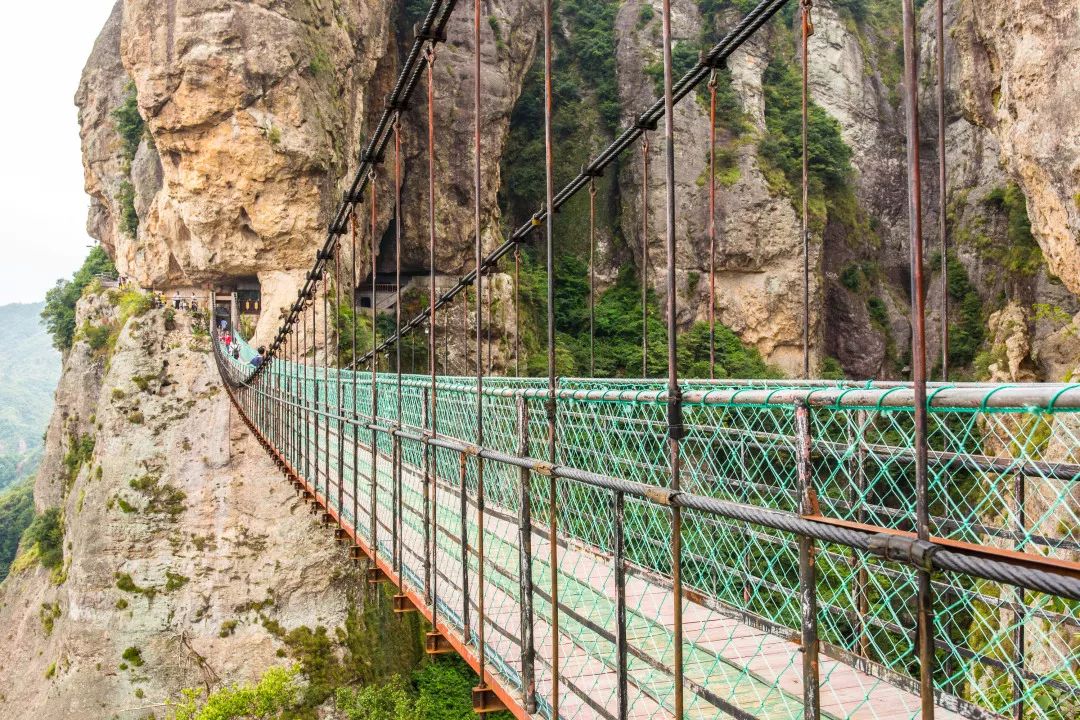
[(715, 58), (431, 30)]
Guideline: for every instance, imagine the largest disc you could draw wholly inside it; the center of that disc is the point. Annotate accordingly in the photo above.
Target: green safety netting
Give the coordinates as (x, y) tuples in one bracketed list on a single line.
[(1004, 472)]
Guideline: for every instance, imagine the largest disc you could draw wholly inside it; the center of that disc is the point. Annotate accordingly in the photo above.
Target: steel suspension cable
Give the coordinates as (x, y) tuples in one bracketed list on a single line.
[(374, 394), (326, 377), (644, 255), (355, 417), (712, 59), (675, 423), (517, 311), (337, 377), (396, 446), (939, 24), (431, 464), (550, 409), (807, 29), (592, 278), (479, 250), (806, 548), (712, 225), (918, 355)]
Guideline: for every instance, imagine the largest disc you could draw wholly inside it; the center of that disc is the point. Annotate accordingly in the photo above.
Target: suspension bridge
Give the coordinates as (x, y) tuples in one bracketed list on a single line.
[(672, 548)]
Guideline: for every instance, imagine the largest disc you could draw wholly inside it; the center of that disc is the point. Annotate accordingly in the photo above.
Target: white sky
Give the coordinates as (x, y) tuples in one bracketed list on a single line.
[(42, 203)]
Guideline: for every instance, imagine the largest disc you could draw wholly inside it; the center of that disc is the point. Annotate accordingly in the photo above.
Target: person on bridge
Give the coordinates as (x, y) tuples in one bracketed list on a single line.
[(258, 359)]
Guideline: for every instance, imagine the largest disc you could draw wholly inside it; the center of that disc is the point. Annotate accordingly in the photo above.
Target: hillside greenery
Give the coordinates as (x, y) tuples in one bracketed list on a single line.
[(131, 128), (59, 310), (29, 371), (16, 513)]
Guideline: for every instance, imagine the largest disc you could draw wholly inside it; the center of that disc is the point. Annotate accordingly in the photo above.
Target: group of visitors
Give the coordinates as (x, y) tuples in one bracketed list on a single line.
[(232, 346), (182, 303)]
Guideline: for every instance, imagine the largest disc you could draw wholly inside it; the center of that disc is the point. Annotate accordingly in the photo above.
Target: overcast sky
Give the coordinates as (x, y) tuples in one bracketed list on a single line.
[(42, 203)]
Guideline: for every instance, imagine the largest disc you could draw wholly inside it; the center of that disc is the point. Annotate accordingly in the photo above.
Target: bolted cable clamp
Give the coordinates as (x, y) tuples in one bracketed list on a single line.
[(398, 104), (676, 429), (324, 254), (901, 548), (643, 123), (371, 157), (717, 63), (591, 171), (432, 34)]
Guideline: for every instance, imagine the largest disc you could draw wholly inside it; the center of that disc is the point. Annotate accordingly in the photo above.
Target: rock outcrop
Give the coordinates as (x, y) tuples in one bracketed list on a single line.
[(180, 539)]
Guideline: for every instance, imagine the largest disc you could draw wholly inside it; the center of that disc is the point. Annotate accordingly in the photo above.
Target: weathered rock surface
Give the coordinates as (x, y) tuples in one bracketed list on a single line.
[(179, 536), (759, 250), (1018, 64)]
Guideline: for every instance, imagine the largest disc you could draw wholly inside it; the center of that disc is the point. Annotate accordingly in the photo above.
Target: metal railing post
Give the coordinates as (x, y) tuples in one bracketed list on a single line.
[(528, 651), (808, 505), (619, 551)]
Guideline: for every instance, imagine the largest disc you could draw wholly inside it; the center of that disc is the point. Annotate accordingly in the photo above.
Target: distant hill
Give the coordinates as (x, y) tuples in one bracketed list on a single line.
[(29, 371)]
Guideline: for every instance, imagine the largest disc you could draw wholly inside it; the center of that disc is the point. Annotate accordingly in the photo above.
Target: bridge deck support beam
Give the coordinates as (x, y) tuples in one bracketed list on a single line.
[(484, 700)]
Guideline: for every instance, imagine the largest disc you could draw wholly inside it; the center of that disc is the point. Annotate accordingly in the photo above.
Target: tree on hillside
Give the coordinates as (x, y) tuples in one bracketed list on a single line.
[(59, 312)]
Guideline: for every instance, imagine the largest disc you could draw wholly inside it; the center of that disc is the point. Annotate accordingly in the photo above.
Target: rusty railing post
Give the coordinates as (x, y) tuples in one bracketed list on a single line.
[(619, 559), (1020, 615), (808, 505), (528, 651)]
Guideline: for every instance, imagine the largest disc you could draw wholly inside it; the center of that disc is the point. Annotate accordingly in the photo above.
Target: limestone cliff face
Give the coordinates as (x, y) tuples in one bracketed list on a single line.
[(179, 538), (255, 110), (1018, 63), (759, 249)]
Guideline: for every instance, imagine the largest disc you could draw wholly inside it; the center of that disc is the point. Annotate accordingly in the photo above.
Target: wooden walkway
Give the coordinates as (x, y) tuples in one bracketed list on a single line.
[(731, 668)]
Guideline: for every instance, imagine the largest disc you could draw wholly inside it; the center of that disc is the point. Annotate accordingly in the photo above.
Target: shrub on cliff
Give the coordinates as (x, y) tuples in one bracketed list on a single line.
[(59, 311)]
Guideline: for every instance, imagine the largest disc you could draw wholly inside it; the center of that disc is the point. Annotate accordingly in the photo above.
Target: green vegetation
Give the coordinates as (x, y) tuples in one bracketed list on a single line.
[(1021, 255), (125, 583), (43, 542), (49, 612), (161, 498), (59, 310), (31, 368), (129, 123), (16, 514), (131, 128), (276, 695), (80, 450), (133, 657), (438, 690), (967, 329), (618, 329), (781, 148)]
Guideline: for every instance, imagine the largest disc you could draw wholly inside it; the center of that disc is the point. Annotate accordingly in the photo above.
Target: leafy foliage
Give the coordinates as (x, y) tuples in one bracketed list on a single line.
[(829, 156), (59, 310), (129, 123), (1021, 255), (967, 330), (277, 693), (45, 535), (131, 128), (16, 513)]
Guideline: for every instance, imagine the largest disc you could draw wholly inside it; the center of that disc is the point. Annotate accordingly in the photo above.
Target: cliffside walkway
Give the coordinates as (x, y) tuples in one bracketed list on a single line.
[(745, 598)]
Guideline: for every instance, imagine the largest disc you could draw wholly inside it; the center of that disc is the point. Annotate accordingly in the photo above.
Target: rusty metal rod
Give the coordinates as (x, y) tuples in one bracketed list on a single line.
[(675, 420), (807, 570), (918, 354)]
